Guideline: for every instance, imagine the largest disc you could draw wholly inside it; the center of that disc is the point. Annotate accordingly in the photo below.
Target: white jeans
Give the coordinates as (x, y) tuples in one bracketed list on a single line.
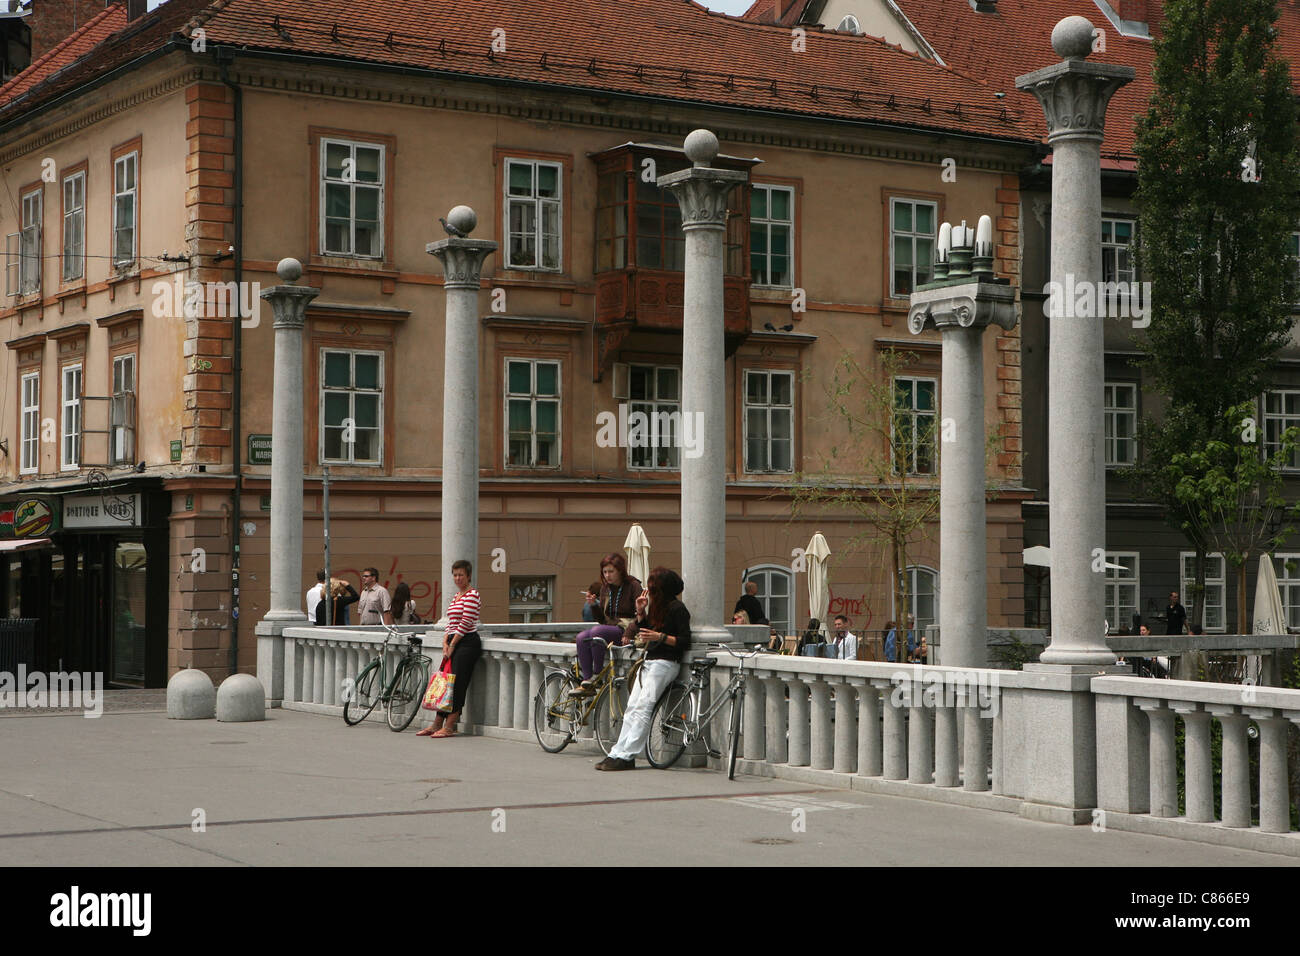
[(654, 677)]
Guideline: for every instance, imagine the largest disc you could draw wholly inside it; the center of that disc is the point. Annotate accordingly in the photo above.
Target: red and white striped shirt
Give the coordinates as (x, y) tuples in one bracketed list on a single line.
[(462, 612)]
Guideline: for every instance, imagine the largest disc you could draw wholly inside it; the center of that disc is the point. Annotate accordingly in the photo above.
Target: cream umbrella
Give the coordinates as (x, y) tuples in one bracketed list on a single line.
[(638, 553), (1269, 616), (819, 597)]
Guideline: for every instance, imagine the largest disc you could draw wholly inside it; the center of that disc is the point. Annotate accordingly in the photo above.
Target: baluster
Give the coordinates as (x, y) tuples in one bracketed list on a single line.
[(536, 670), (895, 736), (1236, 765), (521, 697), (976, 777), (293, 670), (331, 681), (505, 692), (869, 752), (491, 681), (775, 707), (920, 742), (1199, 776), (822, 741), (799, 743), (317, 673), (946, 770), (845, 727), (752, 725), (1164, 765), (1274, 798)]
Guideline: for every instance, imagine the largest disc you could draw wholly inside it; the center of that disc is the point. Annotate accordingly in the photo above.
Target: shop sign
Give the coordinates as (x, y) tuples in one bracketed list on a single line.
[(101, 511), (28, 517)]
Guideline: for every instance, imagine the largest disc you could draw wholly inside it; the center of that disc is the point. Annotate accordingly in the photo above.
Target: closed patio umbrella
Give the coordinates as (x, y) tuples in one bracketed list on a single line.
[(819, 597), (638, 553), (1269, 616)]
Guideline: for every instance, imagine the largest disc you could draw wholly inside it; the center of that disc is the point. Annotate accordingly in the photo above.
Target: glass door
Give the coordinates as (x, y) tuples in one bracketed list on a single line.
[(128, 613)]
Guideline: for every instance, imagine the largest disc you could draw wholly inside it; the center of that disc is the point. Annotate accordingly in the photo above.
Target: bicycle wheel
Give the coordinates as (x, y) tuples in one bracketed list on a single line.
[(733, 732), (553, 713), (408, 692), (668, 727), (363, 696), (608, 715)]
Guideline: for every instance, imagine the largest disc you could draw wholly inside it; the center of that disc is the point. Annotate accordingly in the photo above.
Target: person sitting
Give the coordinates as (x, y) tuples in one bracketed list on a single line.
[(591, 603), (891, 639), (846, 643), (615, 610), (750, 604), (740, 617), (810, 638)]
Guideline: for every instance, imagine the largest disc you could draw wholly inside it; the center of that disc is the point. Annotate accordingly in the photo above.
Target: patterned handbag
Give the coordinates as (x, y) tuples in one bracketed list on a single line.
[(438, 696)]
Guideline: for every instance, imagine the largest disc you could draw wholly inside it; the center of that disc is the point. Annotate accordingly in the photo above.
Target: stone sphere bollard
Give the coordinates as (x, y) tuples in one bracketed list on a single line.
[(191, 696), (463, 218), (1072, 38), (241, 697)]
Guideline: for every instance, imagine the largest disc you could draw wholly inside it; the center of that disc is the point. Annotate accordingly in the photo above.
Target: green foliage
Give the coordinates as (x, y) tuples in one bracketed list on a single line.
[(1016, 655)]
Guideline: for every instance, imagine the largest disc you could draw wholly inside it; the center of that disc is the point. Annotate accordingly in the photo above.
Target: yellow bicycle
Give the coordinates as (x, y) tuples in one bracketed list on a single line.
[(559, 711)]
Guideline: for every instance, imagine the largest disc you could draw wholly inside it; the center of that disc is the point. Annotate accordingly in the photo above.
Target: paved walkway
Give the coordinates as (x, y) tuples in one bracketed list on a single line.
[(296, 789)]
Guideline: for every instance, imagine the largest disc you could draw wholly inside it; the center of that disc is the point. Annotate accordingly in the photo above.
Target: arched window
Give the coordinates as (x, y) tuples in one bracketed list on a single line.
[(923, 594), (775, 593), (850, 25)]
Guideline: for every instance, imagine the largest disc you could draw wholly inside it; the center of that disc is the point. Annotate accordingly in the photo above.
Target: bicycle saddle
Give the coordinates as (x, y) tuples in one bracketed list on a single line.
[(704, 663), (415, 639)]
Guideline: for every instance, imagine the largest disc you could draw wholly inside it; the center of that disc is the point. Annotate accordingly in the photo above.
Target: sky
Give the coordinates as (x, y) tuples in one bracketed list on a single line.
[(734, 7)]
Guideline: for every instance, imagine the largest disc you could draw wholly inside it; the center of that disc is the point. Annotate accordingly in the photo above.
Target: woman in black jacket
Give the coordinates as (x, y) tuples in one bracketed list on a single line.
[(343, 595), (663, 626)]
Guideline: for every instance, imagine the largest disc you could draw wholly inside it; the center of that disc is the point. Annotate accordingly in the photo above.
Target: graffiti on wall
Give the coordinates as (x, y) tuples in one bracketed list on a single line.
[(856, 609), (426, 595)]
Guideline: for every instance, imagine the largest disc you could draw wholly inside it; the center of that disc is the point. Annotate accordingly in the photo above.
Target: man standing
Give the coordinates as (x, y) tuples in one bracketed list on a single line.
[(750, 604), (1175, 615), (846, 643), (315, 595), (376, 604)]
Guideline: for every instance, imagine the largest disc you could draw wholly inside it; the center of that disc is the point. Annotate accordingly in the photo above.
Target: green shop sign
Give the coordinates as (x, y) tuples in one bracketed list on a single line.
[(259, 449)]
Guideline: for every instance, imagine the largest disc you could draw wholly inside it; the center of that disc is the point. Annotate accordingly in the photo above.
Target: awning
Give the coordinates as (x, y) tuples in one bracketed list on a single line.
[(25, 544)]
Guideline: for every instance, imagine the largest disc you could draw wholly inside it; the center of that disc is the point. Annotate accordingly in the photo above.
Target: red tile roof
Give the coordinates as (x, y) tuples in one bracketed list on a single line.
[(67, 50), (661, 49)]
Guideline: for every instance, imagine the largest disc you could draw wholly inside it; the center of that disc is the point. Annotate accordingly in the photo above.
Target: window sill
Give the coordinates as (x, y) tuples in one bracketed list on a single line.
[(347, 265)]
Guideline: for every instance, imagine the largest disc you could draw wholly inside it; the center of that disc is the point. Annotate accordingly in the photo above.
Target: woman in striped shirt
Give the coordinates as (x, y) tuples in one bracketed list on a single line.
[(461, 643)]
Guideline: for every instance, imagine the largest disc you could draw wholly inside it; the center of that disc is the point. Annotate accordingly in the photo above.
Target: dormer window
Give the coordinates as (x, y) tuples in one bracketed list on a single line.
[(850, 25)]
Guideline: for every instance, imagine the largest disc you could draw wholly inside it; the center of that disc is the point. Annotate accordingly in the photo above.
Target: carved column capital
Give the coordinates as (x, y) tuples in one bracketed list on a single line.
[(966, 306), (462, 260), (1074, 95), (702, 192), (289, 304)]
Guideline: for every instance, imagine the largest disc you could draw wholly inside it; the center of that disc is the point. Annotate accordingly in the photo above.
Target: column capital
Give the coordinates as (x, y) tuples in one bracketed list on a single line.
[(702, 192), (289, 301), (1074, 96), (965, 306), (462, 260)]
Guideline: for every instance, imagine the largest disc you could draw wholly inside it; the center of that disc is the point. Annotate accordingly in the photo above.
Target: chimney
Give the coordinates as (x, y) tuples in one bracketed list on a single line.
[(135, 9), (1133, 10), (984, 6)]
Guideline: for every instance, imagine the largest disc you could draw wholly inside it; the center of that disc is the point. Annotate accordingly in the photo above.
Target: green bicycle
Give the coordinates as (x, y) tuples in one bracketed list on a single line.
[(401, 694), (559, 712)]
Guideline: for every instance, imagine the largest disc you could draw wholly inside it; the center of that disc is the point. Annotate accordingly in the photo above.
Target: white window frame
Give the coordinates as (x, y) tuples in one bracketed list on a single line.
[(849, 24), (126, 161), (532, 398), (1214, 584), (1112, 413), (1288, 585), (533, 613), (1111, 248), (915, 414), (772, 410), (121, 448), (895, 233), (1283, 421), (652, 406), (763, 575), (764, 282), (70, 410), (1114, 580), (380, 186), (352, 391), (912, 589), (539, 205), (32, 205), (30, 424), (74, 227)]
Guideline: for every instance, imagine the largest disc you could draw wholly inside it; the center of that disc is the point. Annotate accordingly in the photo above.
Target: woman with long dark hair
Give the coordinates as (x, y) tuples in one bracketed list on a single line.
[(663, 625), (614, 609), (403, 605)]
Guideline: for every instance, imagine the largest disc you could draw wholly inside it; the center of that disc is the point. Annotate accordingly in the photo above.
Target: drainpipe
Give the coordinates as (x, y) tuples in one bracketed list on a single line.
[(225, 56)]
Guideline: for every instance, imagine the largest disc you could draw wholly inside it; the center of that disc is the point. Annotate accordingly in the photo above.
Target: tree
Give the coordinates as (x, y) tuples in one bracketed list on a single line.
[(1219, 196), (1233, 495)]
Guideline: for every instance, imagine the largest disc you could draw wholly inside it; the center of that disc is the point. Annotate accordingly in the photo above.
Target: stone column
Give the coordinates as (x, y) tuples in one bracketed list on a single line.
[(1074, 95), (289, 307), (963, 300), (702, 192), (462, 261)]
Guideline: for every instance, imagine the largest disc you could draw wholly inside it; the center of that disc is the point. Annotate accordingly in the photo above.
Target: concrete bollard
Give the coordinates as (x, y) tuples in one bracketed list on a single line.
[(241, 697), (191, 696)]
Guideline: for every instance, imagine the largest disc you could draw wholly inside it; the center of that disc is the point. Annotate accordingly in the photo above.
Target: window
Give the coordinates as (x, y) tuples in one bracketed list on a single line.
[(70, 448), (769, 421), (533, 204), (775, 586), (531, 600), (1212, 613), (771, 236), (660, 242), (1117, 250), (74, 227), (29, 263), (352, 199), (352, 407), (1281, 411), (1121, 423), (1288, 585), (31, 423), (1122, 583), (850, 25), (532, 414), (923, 597), (125, 209), (914, 432), (122, 447), (911, 231), (655, 393)]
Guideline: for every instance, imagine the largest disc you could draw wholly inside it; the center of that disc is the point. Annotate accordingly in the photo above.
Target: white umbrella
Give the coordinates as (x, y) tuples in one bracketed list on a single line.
[(819, 597), (1270, 616), (638, 553)]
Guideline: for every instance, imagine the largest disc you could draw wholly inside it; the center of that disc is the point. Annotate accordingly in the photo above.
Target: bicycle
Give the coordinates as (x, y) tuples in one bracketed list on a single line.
[(401, 695), (558, 714), (679, 719)]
